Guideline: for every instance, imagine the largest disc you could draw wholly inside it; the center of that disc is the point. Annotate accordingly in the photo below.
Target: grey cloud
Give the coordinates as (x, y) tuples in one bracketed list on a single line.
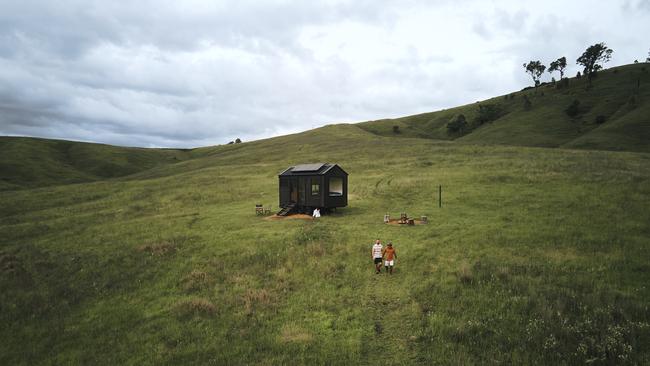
[(163, 73)]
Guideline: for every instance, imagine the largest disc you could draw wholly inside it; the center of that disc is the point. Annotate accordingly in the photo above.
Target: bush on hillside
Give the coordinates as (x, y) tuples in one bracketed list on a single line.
[(396, 129), (632, 102), (237, 141), (573, 109), (488, 113), (457, 124)]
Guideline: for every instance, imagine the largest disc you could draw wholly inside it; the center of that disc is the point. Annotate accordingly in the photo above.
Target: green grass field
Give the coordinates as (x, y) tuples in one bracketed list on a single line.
[(537, 256)]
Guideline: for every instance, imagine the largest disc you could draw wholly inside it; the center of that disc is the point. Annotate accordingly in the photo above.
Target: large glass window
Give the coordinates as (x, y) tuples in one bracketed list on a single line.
[(315, 189), (336, 186)]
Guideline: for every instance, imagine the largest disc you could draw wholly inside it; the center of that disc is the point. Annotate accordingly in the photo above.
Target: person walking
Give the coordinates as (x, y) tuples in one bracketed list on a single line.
[(377, 255), (389, 254)]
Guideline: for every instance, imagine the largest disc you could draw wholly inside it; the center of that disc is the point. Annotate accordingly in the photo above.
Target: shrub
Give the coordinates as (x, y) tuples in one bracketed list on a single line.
[(396, 129), (600, 119), (457, 124), (488, 113), (237, 140), (573, 109)]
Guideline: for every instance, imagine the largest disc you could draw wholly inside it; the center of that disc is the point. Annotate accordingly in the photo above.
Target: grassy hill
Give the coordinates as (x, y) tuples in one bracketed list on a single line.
[(34, 162), (612, 114), (537, 256)]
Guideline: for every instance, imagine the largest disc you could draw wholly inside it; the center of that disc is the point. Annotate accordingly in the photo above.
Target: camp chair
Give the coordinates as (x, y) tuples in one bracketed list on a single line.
[(259, 210)]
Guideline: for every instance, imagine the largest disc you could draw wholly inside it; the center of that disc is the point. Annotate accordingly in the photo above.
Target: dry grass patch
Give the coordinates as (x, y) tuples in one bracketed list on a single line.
[(158, 249), (195, 281), (292, 333), (315, 250), (465, 274), (193, 307), (254, 298)]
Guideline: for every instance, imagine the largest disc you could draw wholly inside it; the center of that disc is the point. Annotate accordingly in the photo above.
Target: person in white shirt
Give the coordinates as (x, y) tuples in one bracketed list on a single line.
[(377, 255)]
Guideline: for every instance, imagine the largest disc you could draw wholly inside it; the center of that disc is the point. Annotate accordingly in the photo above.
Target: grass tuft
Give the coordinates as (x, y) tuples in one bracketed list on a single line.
[(194, 307)]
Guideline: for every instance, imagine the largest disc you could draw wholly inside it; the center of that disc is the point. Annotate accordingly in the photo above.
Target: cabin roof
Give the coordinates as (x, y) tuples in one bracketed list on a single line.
[(309, 169)]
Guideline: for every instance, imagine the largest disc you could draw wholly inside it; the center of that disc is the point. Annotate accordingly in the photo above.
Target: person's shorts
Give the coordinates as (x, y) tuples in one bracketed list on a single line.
[(389, 263), (378, 260)]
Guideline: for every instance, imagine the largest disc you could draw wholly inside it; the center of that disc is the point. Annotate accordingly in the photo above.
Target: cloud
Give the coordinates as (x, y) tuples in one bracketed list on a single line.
[(193, 73)]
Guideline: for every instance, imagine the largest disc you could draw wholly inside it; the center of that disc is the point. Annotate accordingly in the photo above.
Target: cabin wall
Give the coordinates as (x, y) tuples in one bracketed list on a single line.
[(314, 199), (334, 200)]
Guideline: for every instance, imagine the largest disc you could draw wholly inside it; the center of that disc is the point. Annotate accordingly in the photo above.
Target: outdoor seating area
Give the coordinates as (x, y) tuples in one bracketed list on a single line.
[(404, 219), (262, 210)]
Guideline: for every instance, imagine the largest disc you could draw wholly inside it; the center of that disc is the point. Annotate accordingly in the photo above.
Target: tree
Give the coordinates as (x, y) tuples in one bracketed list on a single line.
[(648, 59), (558, 65), (573, 109), (458, 124), (592, 58), (237, 140), (488, 113), (535, 69)]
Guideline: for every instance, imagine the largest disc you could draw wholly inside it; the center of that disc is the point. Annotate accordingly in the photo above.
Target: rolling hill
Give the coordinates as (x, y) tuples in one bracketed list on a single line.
[(155, 257), (612, 114), (33, 162)]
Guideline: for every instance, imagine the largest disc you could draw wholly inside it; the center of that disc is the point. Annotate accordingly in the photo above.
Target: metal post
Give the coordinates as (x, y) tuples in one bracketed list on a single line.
[(440, 196)]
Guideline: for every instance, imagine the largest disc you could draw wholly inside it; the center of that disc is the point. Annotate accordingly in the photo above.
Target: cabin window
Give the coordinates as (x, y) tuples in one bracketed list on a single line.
[(336, 186), (315, 189)]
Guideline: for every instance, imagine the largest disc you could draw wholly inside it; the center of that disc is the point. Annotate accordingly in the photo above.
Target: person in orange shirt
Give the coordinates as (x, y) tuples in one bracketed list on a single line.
[(389, 255)]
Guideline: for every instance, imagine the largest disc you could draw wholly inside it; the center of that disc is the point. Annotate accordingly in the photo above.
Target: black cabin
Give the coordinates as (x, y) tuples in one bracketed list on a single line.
[(308, 186)]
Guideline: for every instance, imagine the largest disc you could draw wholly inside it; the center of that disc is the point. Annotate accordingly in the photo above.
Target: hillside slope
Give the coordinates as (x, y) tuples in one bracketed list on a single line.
[(537, 256), (34, 162), (612, 114)]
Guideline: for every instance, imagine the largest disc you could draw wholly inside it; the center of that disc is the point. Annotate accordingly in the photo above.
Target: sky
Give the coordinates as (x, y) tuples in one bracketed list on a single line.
[(197, 73)]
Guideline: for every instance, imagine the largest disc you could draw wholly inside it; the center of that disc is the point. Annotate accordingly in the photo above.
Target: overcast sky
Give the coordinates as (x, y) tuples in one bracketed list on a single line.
[(196, 73)]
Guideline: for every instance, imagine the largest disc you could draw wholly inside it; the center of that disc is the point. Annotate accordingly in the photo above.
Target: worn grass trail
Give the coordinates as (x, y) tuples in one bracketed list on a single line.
[(386, 300)]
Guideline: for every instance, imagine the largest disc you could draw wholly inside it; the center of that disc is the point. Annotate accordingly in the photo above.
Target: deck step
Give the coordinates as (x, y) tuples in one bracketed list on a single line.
[(287, 209)]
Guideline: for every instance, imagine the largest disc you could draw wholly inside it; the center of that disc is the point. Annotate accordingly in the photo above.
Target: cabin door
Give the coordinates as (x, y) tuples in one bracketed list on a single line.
[(302, 183), (294, 191)]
